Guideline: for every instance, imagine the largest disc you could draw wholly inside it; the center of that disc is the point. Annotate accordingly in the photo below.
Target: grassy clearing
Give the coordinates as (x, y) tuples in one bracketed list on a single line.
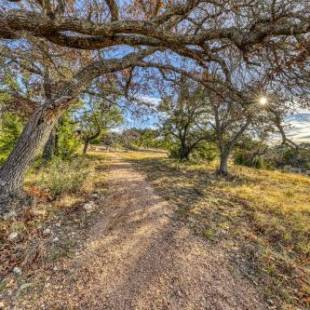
[(261, 218), (55, 224)]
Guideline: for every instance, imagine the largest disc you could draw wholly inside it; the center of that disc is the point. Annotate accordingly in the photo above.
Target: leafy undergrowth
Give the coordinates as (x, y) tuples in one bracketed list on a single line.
[(62, 177), (261, 217), (34, 238)]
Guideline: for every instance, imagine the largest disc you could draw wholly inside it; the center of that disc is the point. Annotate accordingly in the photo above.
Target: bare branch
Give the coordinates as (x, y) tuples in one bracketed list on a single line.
[(113, 9)]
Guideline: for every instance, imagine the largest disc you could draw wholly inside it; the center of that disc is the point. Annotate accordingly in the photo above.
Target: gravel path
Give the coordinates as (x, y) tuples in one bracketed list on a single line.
[(139, 257)]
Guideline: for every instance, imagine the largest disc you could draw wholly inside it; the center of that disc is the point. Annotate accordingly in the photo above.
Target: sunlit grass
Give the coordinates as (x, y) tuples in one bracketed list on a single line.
[(60, 178), (276, 190)]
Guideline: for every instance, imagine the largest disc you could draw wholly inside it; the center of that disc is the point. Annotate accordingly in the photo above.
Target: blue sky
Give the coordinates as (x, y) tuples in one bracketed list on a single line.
[(134, 117)]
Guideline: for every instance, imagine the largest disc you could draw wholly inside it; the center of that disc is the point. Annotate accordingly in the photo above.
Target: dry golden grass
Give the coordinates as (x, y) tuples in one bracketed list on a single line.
[(62, 214), (261, 217)]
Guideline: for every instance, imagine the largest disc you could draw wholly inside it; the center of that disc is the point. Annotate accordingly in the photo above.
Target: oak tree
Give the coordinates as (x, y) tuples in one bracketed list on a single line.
[(268, 38)]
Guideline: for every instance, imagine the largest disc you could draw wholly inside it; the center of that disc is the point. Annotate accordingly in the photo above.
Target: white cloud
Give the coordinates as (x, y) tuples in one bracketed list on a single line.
[(299, 130), (153, 101), (298, 127)]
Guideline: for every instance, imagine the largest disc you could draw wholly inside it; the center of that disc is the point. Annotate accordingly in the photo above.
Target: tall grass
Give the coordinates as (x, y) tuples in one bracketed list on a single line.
[(59, 177)]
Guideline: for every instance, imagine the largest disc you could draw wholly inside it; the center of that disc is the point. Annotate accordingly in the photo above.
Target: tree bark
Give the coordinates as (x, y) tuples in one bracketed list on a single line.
[(88, 139), (85, 148), (184, 152), (223, 168), (33, 137), (50, 146)]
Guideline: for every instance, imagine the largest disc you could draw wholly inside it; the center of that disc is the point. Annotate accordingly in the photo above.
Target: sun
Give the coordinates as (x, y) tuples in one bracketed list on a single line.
[(263, 100)]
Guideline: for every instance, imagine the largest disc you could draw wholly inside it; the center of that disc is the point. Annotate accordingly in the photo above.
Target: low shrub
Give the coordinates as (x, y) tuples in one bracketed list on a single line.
[(205, 151), (283, 155), (174, 152), (60, 176), (131, 147), (249, 159)]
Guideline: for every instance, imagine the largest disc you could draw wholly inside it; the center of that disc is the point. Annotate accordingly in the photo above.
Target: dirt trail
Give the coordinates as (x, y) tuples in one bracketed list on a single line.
[(139, 257)]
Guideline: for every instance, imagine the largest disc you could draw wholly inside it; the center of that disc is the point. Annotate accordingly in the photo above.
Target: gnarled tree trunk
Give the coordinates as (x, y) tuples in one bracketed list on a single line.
[(184, 151), (50, 146), (88, 139), (33, 137), (184, 155), (223, 168), (85, 148)]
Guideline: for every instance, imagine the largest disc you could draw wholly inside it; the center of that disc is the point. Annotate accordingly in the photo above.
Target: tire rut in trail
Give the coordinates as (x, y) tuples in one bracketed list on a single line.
[(139, 257)]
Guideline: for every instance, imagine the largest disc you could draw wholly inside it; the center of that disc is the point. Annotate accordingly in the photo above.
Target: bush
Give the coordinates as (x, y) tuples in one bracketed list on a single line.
[(205, 151), (174, 152), (131, 147), (283, 155), (64, 176), (11, 128), (68, 141), (248, 159)]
